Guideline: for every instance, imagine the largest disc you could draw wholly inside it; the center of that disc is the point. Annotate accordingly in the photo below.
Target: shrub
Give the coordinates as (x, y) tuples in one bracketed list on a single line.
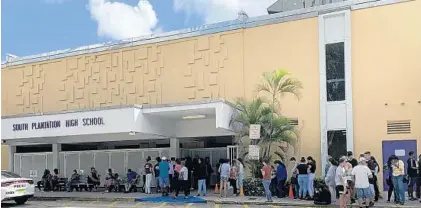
[(253, 187)]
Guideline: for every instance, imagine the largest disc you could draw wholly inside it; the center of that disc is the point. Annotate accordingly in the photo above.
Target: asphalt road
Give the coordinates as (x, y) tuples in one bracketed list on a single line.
[(95, 204)]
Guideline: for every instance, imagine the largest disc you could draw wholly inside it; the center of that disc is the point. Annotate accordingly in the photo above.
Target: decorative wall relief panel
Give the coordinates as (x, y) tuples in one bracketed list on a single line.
[(190, 69), (205, 59)]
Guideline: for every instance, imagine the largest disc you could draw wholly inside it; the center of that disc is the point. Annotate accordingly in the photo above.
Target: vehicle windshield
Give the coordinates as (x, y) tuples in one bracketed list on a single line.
[(6, 174)]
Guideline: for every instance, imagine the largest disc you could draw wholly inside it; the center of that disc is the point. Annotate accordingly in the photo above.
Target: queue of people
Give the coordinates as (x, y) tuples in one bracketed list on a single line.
[(348, 179)]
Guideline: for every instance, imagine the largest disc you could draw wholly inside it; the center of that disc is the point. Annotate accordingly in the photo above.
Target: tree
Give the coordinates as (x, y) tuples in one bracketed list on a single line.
[(274, 126), (277, 84)]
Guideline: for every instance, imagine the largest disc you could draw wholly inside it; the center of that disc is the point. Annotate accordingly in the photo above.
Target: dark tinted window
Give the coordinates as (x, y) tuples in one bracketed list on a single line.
[(335, 71), (336, 141), (6, 174)]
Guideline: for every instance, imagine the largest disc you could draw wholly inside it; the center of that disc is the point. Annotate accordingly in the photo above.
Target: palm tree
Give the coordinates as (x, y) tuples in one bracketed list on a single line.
[(277, 84), (256, 111), (274, 126)]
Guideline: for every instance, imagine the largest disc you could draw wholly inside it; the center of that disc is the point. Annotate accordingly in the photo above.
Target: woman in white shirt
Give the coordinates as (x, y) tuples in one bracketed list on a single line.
[(183, 181)]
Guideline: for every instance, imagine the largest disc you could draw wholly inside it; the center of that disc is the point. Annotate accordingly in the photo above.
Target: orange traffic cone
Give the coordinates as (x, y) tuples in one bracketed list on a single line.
[(216, 189), (241, 191), (291, 193)]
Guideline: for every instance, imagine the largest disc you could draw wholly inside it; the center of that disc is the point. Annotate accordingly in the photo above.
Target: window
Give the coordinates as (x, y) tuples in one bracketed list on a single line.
[(336, 143), (335, 71), (6, 174)]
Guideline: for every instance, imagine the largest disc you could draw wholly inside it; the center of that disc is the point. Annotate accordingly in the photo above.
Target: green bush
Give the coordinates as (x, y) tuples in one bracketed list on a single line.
[(253, 187)]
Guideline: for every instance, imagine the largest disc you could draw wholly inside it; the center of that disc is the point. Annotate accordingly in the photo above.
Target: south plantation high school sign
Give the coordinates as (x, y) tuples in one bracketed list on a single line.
[(54, 124)]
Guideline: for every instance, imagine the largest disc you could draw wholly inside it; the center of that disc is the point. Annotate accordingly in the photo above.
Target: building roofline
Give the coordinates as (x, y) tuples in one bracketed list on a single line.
[(203, 30), (200, 102)]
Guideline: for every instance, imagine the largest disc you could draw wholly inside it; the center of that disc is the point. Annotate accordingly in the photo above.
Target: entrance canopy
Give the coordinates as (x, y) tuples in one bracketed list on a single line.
[(135, 122)]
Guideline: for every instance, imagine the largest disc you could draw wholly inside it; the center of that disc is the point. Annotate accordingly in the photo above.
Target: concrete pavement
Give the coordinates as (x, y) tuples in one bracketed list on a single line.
[(120, 204), (210, 198)]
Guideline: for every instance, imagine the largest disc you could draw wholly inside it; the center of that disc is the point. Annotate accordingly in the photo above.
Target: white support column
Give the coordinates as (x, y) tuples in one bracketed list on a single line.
[(335, 115), (56, 157), (174, 148), (11, 157)]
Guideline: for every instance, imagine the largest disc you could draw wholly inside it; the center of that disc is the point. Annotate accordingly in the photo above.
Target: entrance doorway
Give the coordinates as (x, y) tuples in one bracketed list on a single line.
[(400, 148)]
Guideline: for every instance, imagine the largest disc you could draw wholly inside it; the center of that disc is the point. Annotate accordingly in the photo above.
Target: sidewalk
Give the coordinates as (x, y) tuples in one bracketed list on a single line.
[(211, 198)]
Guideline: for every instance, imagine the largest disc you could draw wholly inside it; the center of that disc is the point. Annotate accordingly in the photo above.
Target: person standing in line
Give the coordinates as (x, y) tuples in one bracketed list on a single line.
[(418, 184), (171, 173), (164, 176), (350, 183), (351, 159), (183, 181), (189, 165), (340, 182), (156, 171), (292, 171), (398, 172), (209, 171), (201, 174), (281, 177), (224, 171), (148, 178), (388, 177), (373, 166), (302, 171), (328, 164), (241, 173), (267, 175), (330, 179), (412, 174), (233, 178), (193, 179), (362, 173), (353, 162), (311, 175), (376, 176)]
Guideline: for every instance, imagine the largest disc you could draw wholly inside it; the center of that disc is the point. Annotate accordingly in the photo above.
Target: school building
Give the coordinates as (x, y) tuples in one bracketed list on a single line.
[(170, 94)]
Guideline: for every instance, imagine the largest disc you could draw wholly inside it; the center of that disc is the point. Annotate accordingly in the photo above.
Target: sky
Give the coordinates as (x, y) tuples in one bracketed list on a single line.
[(30, 27)]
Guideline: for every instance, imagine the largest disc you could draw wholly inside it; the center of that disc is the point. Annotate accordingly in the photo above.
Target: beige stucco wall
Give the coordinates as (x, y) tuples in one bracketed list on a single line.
[(386, 68), (292, 46)]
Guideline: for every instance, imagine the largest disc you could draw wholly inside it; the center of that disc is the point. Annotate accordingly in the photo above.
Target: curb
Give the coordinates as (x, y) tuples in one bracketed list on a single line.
[(267, 203), (107, 199), (213, 201), (301, 204)]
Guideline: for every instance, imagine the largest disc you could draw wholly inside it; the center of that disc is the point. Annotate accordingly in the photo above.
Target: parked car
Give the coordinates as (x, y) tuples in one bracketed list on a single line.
[(14, 187)]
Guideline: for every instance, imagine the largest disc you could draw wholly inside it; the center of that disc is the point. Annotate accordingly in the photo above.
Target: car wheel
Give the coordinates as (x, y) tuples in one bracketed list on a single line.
[(21, 200)]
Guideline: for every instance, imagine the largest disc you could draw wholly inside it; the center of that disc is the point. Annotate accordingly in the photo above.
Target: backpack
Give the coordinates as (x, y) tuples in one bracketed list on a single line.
[(176, 175), (322, 195)]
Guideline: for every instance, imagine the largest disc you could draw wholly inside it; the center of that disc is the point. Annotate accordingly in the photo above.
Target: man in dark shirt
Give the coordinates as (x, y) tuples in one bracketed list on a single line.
[(372, 165), (351, 159), (156, 171), (412, 173)]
